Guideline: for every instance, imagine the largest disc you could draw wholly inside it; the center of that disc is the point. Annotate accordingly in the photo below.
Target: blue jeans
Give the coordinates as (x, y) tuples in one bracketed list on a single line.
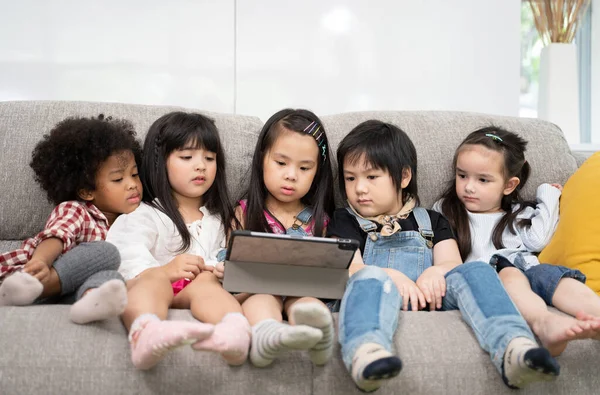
[(371, 305)]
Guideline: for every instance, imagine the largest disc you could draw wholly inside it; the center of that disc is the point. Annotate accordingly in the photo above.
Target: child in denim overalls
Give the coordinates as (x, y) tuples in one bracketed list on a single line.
[(410, 259), (290, 192), (494, 224)]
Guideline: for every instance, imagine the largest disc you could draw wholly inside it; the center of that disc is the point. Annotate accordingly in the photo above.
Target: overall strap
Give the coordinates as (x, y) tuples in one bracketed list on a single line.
[(366, 225), (424, 224), (305, 215)]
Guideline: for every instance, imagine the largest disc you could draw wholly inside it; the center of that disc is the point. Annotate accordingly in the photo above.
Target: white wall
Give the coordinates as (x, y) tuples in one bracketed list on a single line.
[(347, 55), (257, 56), (139, 51)]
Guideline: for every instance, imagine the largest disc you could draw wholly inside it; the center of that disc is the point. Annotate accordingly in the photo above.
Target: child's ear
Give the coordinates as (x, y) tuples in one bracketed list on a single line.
[(511, 185), (406, 177), (86, 195)]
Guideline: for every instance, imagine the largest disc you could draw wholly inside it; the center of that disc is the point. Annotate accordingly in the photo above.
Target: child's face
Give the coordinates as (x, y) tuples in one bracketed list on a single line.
[(118, 186), (289, 167), (480, 182), (191, 172), (371, 192)]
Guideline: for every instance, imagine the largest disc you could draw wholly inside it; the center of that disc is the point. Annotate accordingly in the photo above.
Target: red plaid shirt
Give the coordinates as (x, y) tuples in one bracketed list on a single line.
[(72, 222)]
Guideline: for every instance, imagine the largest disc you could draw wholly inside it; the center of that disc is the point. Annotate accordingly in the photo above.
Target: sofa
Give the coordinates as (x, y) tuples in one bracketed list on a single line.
[(42, 352)]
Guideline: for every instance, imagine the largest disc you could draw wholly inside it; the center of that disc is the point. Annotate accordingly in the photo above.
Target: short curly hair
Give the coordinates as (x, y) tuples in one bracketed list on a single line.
[(67, 159)]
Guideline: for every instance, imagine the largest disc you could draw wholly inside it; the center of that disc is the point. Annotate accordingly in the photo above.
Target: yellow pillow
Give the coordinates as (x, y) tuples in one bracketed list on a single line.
[(576, 243)]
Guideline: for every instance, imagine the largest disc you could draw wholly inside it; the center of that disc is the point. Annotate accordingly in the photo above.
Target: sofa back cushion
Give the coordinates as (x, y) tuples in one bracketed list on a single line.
[(23, 205), (437, 134)]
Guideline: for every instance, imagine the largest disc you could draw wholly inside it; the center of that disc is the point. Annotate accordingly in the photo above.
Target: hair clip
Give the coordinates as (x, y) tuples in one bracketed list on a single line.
[(312, 129), (493, 136)]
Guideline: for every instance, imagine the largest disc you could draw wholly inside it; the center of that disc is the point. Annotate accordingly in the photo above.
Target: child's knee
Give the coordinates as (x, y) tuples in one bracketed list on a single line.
[(368, 272), (110, 259), (511, 274)]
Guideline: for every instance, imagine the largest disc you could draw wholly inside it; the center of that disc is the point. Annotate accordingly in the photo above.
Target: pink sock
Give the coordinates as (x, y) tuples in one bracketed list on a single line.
[(151, 338), (231, 338)]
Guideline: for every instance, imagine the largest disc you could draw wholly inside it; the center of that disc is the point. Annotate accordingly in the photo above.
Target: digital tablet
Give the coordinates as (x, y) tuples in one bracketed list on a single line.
[(288, 265)]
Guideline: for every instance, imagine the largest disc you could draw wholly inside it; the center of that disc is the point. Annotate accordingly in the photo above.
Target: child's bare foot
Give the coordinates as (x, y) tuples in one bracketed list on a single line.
[(593, 320), (556, 331)]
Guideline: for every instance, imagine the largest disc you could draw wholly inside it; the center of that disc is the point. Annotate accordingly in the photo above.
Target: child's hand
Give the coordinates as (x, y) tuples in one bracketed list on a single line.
[(219, 270), (185, 266), (38, 269), (409, 291), (433, 285), (557, 186)]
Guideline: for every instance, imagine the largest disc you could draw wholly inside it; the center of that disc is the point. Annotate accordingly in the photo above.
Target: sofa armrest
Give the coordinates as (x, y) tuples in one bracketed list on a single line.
[(581, 156)]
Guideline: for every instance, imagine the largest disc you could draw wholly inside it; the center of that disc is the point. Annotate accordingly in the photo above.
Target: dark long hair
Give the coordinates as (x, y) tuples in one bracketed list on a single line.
[(385, 147), (320, 195), (512, 147), (171, 132)]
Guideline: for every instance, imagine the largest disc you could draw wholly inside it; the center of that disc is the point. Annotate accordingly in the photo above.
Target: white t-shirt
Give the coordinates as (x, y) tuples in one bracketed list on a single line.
[(148, 238), (519, 247)]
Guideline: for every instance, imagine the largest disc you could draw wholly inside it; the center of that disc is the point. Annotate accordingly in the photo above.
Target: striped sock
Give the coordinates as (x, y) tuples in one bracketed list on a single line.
[(270, 338), (372, 364), (316, 315)]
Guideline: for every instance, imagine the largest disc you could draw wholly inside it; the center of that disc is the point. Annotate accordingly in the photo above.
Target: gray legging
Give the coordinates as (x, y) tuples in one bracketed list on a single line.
[(88, 265)]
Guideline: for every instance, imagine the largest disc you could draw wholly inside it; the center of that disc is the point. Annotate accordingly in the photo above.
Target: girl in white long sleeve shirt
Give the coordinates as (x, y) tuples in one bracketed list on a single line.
[(169, 246), (147, 238), (493, 224)]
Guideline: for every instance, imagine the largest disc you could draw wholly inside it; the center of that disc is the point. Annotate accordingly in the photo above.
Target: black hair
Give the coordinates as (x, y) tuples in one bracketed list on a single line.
[(320, 194), (171, 132), (512, 147), (66, 160), (384, 146)]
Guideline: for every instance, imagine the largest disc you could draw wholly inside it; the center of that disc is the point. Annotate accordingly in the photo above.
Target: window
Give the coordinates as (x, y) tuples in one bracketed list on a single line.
[(531, 47)]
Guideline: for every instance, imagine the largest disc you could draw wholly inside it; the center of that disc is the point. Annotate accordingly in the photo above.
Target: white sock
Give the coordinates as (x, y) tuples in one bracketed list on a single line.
[(526, 362), (318, 316), (20, 289), (108, 300), (270, 338), (372, 364)]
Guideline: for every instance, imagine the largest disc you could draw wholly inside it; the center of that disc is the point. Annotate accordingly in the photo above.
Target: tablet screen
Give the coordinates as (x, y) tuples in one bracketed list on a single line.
[(259, 247)]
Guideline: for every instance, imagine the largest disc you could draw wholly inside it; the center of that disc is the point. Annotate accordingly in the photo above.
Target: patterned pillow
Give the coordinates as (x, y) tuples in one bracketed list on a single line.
[(576, 243)]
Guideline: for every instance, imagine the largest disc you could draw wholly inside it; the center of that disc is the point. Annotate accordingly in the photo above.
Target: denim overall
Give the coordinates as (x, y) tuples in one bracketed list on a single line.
[(297, 229), (371, 303)]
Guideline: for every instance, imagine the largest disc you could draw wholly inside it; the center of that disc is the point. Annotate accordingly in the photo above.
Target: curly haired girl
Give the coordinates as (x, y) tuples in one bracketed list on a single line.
[(88, 169)]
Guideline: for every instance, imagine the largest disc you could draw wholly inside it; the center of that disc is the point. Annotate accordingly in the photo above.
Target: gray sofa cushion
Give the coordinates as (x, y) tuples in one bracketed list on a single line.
[(44, 353), (436, 134), (23, 205)]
